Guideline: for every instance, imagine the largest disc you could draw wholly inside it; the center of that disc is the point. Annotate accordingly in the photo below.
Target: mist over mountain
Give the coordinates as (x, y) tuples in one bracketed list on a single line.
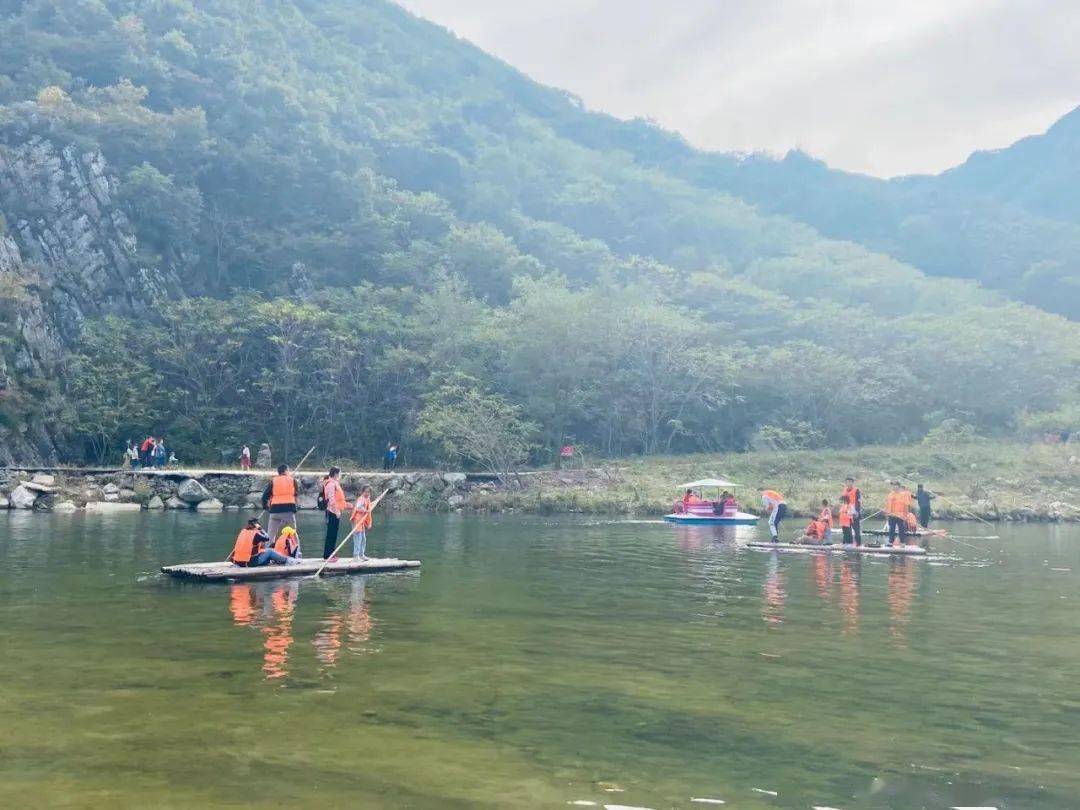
[(309, 221)]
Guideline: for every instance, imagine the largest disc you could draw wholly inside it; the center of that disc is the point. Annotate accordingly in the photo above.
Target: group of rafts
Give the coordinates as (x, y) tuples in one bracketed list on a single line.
[(695, 508), (268, 554)]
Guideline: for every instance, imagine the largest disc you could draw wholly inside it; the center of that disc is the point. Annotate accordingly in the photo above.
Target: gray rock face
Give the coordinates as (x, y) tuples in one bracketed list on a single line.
[(105, 508), (22, 498), (65, 506), (45, 480), (263, 458), (192, 491), (453, 479), (68, 235), (155, 503), (111, 489), (176, 503), (4, 502), (306, 502)]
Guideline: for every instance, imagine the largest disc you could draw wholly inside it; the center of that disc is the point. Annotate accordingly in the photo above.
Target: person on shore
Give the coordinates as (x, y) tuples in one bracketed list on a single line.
[(250, 549), (854, 496), (245, 459), (279, 499), (845, 515), (390, 457), (774, 505), (825, 519), (131, 454), (923, 498), (897, 505), (146, 450), (159, 454), (334, 496), (288, 543), (361, 521)]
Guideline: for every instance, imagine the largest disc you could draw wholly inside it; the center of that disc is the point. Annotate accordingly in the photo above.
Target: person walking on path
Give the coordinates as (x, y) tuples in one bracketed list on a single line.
[(923, 498), (245, 459), (159, 453), (854, 499), (361, 521), (335, 499), (774, 505), (390, 458), (146, 450), (279, 499)]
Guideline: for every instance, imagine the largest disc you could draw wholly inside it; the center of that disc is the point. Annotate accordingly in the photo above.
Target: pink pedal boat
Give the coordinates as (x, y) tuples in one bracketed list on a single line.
[(696, 509)]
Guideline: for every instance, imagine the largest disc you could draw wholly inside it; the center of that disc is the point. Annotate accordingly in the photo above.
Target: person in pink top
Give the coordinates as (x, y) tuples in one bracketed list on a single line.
[(336, 501)]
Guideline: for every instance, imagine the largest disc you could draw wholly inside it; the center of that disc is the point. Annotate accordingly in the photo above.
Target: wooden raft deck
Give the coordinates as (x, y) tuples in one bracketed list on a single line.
[(221, 571)]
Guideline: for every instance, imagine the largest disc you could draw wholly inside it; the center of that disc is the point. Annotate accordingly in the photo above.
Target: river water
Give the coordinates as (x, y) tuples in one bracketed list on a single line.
[(537, 662)]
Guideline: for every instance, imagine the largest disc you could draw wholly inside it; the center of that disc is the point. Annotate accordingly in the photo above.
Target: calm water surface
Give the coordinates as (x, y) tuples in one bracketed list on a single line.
[(536, 662)]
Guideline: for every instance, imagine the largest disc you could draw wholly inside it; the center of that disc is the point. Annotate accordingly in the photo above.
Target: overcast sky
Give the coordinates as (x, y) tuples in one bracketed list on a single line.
[(876, 86)]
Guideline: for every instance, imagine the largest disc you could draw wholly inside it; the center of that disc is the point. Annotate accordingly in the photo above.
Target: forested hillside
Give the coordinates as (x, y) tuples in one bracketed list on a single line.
[(327, 222)]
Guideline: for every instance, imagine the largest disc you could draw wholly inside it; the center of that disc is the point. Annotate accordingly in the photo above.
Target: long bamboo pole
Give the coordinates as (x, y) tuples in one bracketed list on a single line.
[(954, 503), (341, 545)]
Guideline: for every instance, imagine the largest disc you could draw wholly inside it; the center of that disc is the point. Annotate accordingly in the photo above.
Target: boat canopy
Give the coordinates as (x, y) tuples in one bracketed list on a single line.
[(720, 483)]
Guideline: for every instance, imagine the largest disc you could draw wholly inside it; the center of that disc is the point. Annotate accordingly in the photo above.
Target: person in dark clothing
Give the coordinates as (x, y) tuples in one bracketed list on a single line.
[(854, 498), (279, 499), (923, 498), (390, 459)]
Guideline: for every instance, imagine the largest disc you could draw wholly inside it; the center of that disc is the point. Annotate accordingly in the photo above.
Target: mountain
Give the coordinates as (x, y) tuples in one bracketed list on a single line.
[(312, 222)]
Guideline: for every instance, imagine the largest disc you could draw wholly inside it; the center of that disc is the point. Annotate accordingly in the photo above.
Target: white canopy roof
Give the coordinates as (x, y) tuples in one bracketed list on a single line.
[(709, 482)]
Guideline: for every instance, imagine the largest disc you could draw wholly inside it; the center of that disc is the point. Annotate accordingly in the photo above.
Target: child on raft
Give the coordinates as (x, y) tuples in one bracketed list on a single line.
[(847, 519)]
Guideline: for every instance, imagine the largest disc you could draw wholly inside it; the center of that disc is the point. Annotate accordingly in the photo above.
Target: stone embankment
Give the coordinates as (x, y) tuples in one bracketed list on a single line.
[(213, 490)]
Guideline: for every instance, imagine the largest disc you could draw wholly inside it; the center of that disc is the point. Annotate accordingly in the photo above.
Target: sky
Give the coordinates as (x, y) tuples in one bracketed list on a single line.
[(875, 86)]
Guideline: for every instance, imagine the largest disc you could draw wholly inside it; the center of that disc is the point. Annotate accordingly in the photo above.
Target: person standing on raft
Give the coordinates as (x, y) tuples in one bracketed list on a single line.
[(279, 499), (923, 498), (774, 505), (334, 497), (250, 549), (897, 506), (854, 497), (846, 515), (361, 521)]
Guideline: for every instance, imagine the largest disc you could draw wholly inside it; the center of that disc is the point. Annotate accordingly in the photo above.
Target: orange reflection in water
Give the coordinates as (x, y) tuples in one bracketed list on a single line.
[(352, 620), (774, 591), (278, 632), (849, 596), (822, 567), (903, 579)]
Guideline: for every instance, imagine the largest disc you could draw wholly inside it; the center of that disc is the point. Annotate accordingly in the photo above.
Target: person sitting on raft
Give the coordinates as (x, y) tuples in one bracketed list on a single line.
[(288, 543), (814, 534), (250, 549), (911, 524), (847, 518)]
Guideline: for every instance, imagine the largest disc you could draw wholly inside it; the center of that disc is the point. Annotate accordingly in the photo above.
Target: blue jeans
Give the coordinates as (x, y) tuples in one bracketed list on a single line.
[(359, 544), (268, 557)]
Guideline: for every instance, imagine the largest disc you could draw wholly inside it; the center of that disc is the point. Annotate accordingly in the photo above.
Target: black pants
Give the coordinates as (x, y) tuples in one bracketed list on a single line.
[(924, 517), (897, 524), (848, 536), (330, 543), (856, 527), (774, 520)]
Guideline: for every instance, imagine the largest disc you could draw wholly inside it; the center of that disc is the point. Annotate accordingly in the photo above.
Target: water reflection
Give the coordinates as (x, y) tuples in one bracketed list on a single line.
[(849, 595), (775, 591), (270, 607), (822, 567), (903, 579)]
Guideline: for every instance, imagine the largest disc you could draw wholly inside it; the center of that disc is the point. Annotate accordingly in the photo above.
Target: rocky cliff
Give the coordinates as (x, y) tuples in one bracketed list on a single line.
[(67, 252)]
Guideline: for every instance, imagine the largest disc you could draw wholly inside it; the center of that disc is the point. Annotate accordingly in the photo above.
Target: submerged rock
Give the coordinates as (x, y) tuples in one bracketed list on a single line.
[(155, 503), (176, 503), (210, 505), (107, 507), (65, 506)]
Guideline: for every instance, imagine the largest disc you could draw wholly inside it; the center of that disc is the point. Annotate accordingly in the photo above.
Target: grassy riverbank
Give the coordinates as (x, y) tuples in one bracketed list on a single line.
[(993, 479)]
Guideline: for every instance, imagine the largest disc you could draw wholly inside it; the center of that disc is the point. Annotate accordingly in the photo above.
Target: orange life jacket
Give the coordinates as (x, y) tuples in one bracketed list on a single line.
[(282, 490), (847, 513), (853, 495), (338, 504), (816, 529), (361, 514), (897, 504), (826, 517), (244, 549), (772, 495), (286, 545), (912, 523)]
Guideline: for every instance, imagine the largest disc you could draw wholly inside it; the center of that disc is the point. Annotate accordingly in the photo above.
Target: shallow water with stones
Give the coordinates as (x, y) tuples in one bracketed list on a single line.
[(537, 662)]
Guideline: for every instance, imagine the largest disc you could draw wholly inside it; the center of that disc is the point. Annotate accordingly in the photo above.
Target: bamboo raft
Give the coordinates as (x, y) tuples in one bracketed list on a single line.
[(222, 571), (911, 551)]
